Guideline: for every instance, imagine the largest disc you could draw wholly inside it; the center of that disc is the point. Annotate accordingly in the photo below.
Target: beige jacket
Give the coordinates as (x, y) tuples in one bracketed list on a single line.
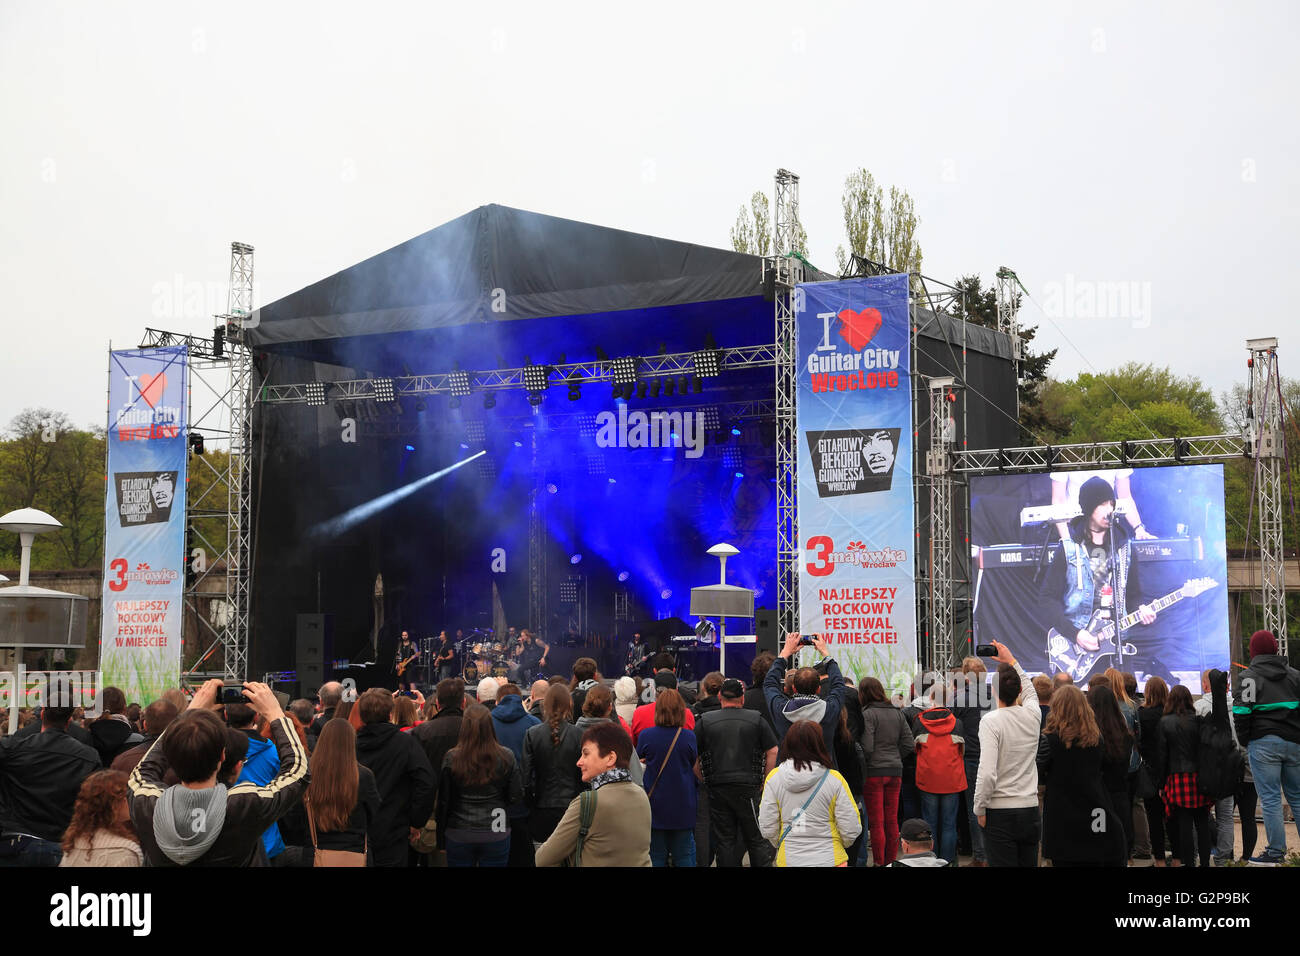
[(620, 831), (105, 849)]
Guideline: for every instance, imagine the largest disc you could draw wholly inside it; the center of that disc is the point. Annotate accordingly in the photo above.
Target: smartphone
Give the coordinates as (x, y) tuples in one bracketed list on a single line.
[(233, 694), (985, 650), (808, 640)]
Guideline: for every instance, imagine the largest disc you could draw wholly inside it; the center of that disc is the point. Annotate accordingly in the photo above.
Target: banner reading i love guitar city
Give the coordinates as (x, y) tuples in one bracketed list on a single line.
[(144, 522), (856, 520)]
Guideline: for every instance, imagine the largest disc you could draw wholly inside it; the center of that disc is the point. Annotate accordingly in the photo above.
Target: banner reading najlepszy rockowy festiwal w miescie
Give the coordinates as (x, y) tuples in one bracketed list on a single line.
[(856, 520), (144, 522)]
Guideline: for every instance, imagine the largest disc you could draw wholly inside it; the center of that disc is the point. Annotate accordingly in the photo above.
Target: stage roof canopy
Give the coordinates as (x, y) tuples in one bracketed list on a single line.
[(543, 266)]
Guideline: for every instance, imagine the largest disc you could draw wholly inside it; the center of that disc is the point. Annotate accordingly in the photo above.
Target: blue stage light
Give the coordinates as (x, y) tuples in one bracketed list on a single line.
[(623, 575), (552, 489), (735, 430), (575, 558), (519, 444), (613, 481), (410, 448), (666, 593), (740, 474), (464, 446)]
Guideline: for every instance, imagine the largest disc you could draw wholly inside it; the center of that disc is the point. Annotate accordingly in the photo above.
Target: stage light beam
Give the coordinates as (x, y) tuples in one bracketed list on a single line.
[(337, 525)]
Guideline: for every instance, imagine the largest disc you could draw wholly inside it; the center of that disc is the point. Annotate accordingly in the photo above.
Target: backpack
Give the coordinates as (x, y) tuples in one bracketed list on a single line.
[(586, 816), (1220, 767)]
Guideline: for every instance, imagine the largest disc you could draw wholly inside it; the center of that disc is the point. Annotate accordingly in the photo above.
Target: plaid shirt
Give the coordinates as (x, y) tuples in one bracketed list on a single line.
[(1181, 790)]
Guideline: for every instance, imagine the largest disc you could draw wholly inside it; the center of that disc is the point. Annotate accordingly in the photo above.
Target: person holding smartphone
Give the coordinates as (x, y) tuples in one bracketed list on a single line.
[(805, 704), (1006, 785)]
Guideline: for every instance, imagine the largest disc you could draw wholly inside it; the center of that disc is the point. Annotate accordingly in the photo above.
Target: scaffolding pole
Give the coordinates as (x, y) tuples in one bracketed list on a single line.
[(1266, 442), (785, 272), (938, 467)]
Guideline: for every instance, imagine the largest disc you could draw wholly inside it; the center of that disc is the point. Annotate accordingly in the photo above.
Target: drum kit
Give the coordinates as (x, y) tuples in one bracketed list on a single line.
[(484, 656)]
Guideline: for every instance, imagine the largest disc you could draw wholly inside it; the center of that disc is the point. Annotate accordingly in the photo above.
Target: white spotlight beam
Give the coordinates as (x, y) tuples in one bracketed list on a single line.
[(353, 517)]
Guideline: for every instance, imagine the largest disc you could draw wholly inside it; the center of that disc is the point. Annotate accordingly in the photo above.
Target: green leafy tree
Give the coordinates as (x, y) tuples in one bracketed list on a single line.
[(76, 496), (47, 464), (879, 228), (1137, 400)]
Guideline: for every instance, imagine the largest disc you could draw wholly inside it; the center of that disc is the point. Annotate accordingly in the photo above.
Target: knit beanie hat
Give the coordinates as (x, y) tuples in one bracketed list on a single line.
[(624, 690), (1262, 642), (1094, 491)]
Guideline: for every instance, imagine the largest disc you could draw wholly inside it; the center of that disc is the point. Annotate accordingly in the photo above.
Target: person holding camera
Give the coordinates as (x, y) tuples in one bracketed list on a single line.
[(805, 704), (199, 821)]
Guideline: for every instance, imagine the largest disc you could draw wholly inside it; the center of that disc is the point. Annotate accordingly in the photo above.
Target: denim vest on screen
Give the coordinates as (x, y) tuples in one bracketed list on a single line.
[(1078, 581)]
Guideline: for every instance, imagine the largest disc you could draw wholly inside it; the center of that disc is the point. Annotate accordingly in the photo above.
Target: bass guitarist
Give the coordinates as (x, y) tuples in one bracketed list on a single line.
[(1094, 578)]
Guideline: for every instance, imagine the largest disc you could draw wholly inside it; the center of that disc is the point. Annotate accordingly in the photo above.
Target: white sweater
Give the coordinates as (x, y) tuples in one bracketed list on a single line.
[(1008, 772)]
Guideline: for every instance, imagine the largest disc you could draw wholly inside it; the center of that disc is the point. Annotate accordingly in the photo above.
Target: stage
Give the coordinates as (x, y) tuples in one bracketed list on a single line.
[(571, 517)]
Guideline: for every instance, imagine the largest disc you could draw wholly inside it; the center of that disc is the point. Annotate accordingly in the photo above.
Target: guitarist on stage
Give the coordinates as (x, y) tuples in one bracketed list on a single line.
[(404, 662), (1095, 573), (444, 657)]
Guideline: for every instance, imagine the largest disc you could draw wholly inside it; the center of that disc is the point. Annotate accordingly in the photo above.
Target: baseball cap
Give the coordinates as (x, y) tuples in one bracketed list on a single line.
[(915, 831), (732, 689)]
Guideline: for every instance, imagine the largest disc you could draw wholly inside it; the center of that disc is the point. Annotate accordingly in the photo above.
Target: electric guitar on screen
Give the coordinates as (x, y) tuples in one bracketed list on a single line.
[(1066, 655)]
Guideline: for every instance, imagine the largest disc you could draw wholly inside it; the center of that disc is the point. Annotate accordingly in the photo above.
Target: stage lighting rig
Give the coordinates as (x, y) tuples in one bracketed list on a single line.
[(316, 392), (708, 363), (625, 370), (536, 377), (384, 390), (459, 383)]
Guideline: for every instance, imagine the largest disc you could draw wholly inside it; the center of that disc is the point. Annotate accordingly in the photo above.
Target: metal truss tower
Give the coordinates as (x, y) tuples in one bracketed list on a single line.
[(222, 366), (1266, 440), (786, 271), (938, 467), (1009, 322), (239, 486)]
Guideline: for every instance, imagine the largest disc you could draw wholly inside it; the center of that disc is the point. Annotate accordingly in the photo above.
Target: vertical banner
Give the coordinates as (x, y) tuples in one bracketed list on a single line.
[(856, 520), (144, 522)]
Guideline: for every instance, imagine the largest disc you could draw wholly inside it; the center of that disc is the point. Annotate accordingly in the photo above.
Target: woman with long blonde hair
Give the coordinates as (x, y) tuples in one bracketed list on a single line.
[(1080, 825)]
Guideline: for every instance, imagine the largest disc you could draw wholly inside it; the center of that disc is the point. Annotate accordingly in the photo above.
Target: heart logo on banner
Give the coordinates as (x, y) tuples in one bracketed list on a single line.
[(152, 387), (859, 328)]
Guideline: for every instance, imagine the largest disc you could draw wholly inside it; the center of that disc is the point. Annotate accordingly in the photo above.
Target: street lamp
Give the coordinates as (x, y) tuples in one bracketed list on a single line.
[(31, 616)]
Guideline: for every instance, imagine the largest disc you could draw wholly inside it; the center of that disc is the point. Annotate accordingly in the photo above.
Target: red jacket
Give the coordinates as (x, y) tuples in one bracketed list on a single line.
[(644, 716), (939, 764)]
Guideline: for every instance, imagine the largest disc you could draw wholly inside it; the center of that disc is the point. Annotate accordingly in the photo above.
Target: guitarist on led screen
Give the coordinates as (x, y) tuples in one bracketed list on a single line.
[(1081, 590)]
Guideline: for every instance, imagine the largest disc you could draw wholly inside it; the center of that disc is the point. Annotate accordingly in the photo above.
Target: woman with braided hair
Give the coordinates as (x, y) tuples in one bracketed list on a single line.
[(550, 764)]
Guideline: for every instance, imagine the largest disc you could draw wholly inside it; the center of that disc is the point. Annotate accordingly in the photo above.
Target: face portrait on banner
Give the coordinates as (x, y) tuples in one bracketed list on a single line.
[(880, 449)]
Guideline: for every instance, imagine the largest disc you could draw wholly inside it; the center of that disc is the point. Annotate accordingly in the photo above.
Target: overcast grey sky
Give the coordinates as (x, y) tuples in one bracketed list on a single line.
[(1152, 145)]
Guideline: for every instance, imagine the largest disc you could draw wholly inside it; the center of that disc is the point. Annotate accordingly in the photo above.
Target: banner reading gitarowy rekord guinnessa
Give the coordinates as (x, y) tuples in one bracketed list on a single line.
[(856, 520), (144, 522)]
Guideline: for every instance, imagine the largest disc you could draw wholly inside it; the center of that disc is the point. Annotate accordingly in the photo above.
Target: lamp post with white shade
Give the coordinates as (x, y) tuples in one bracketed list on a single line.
[(31, 616)]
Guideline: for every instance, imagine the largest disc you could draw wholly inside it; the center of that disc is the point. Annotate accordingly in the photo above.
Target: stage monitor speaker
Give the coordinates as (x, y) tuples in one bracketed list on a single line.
[(765, 629), (314, 650)]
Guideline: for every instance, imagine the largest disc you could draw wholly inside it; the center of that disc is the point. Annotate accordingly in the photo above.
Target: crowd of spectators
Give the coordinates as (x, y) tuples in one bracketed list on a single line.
[(798, 767)]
